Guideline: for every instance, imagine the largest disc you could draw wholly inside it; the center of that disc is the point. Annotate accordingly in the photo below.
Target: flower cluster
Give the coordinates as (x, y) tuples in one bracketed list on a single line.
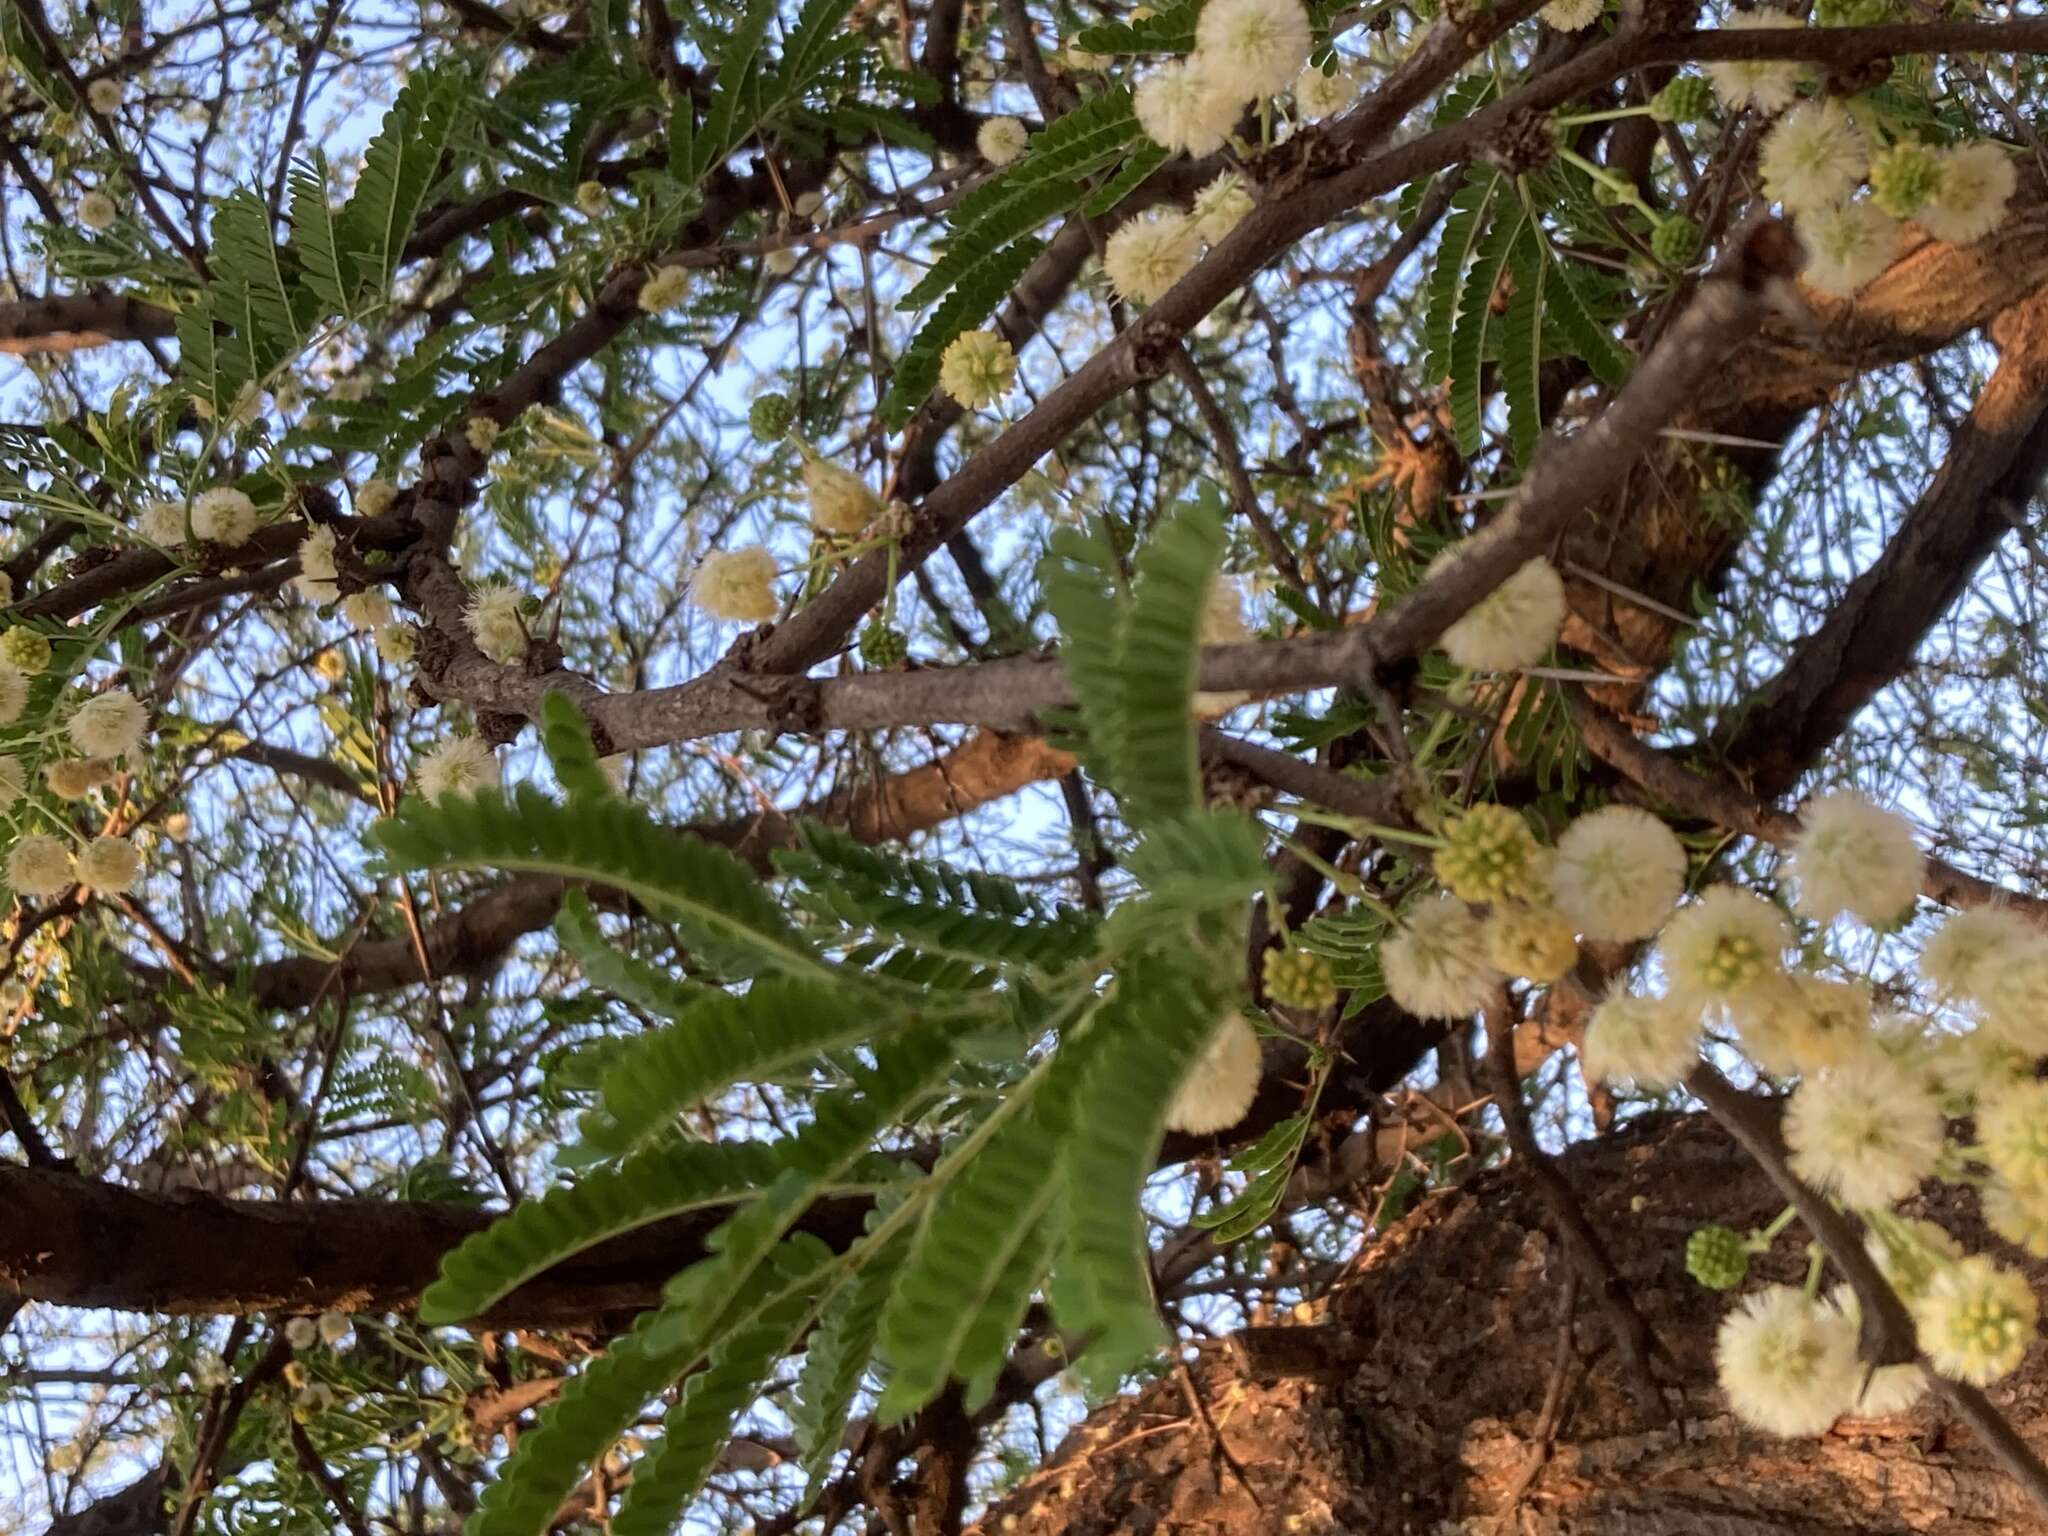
[(1245, 51)]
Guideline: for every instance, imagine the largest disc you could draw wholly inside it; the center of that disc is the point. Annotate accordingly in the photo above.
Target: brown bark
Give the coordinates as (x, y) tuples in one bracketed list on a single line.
[(1470, 1409)]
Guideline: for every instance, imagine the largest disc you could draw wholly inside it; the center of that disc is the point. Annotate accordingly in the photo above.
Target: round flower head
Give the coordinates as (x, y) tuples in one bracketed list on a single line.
[(1001, 140), (2020, 1218), (12, 782), (301, 1333), (24, 649), (1769, 85), (1222, 1083), (1977, 1064), (316, 567), (736, 584), (1617, 873), (375, 497), (664, 290), (1976, 182), (1182, 109), (162, 523), (1536, 943), (13, 693), (1489, 854), (110, 864), (1148, 254), (977, 368), (1571, 15), (1867, 1132), (1891, 1388), (1222, 624), (481, 433), (1326, 92), (1909, 1253), (1649, 1041), (1723, 944), (109, 724), (6, 589), (39, 866), (1855, 857), (333, 1327), (1847, 246), (1253, 48), (223, 515), (1968, 951), (840, 500), (591, 198), (2012, 1135), (1791, 1023), (1514, 625), (781, 261), (1219, 207), (368, 609), (105, 96), (1976, 1320), (494, 622), (461, 765), (1813, 157), (1787, 1362), (96, 211), (73, 778), (1903, 176), (807, 205), (2016, 999), (1434, 964), (397, 643)]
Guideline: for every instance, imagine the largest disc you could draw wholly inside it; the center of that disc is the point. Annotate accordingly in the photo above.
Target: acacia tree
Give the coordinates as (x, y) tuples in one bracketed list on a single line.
[(751, 752)]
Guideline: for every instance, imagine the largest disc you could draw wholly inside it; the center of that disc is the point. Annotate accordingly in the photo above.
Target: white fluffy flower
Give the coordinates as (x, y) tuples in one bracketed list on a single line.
[(6, 589), (1856, 857), (1909, 1253), (1976, 1320), (2020, 1217), (494, 622), (13, 692), (1617, 874), (1813, 157), (1148, 254), (316, 567), (105, 96), (1787, 1362), (1514, 625), (736, 584), (375, 498), (162, 523), (96, 211), (301, 1333), (1867, 1132), (1435, 962), (1891, 1388), (1792, 1022), (1847, 246), (1222, 1083), (840, 500), (1572, 15), (110, 864), (223, 515), (2012, 1134), (1649, 1041), (1001, 140), (1219, 207), (39, 866), (1722, 944), (1977, 181), (1326, 92), (461, 765), (397, 643), (1968, 951), (2016, 999), (1253, 48), (1184, 110), (12, 781), (333, 1327), (664, 289), (368, 610), (1769, 85), (977, 368), (109, 724)]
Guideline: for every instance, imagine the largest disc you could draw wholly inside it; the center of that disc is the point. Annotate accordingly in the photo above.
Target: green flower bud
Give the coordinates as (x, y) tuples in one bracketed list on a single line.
[(1717, 1257), (1295, 978), (1904, 177), (25, 650), (1687, 99), (1675, 242), (882, 647), (770, 418)]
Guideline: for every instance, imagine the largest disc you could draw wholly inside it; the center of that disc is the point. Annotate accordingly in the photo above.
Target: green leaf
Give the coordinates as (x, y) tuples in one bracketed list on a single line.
[(399, 167), (837, 1358), (1569, 311), (970, 303), (1270, 1162), (727, 916), (1142, 161), (316, 236), (1474, 323), (1170, 30), (1521, 344), (566, 737), (1080, 579), (609, 969), (1159, 659), (1464, 227)]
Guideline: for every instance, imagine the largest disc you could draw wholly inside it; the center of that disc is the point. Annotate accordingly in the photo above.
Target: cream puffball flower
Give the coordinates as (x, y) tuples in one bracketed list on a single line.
[(977, 368), (368, 610), (13, 692), (96, 211), (1220, 1086), (1435, 962), (1791, 1022), (1649, 1041), (162, 523), (840, 500), (461, 765), (1866, 1132), (1891, 1388), (1323, 93), (1617, 873), (1253, 48), (12, 782), (2020, 1218), (105, 96), (375, 497), (109, 724), (1856, 857), (1220, 207), (1787, 1362), (1976, 1320), (1723, 944), (110, 864), (316, 567), (1847, 246), (1001, 140), (495, 623), (736, 584), (1769, 85), (662, 291), (1571, 15), (2012, 1135), (1514, 625), (1813, 157), (1182, 109), (1966, 954), (224, 515), (1977, 181), (1148, 254), (40, 866)]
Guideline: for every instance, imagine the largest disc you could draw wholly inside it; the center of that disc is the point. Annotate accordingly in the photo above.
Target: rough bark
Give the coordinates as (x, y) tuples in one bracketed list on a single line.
[(1437, 1358)]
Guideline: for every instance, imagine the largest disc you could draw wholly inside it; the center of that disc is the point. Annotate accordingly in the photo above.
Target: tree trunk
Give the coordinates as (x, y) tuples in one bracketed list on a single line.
[(1443, 1396)]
